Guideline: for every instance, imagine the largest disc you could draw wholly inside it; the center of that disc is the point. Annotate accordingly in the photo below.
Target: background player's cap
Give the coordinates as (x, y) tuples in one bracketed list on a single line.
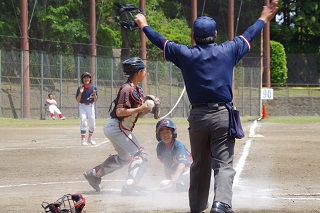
[(204, 27), (84, 75)]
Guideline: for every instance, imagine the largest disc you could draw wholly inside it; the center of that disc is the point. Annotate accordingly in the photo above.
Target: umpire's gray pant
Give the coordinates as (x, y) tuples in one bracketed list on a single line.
[(211, 147)]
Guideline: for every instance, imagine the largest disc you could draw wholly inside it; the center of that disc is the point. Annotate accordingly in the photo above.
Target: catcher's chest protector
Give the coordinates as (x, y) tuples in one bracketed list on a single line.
[(136, 100)]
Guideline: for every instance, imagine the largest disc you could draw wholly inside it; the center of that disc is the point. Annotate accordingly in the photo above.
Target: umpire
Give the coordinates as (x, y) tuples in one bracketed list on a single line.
[(207, 70)]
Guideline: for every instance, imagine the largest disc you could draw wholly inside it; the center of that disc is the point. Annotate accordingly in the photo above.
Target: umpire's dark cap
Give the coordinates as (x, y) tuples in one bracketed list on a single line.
[(204, 27)]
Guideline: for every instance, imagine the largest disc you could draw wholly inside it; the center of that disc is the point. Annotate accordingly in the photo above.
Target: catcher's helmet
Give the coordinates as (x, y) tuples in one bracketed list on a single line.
[(132, 65), (168, 124), (84, 75)]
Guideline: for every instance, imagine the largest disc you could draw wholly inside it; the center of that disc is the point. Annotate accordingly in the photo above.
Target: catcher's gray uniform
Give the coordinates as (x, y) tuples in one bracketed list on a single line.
[(119, 131)]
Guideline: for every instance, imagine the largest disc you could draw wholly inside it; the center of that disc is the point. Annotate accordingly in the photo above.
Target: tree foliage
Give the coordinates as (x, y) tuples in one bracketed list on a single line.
[(61, 26), (298, 25), (278, 63)]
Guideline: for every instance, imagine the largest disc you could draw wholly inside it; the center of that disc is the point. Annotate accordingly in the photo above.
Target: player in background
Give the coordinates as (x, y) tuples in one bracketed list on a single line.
[(174, 156), (52, 107), (87, 96), (129, 106), (207, 70)]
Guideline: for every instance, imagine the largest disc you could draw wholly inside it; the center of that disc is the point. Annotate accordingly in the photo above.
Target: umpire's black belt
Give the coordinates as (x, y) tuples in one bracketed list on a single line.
[(208, 105)]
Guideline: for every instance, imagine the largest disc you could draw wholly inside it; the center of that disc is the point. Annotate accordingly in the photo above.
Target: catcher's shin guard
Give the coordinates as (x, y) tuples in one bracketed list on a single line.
[(111, 164), (137, 168)]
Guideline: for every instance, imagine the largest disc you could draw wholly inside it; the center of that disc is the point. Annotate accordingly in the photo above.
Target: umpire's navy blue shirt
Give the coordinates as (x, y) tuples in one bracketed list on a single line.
[(207, 69)]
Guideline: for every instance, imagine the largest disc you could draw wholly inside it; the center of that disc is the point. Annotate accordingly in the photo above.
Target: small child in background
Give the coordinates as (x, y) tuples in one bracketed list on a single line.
[(87, 96), (175, 157), (52, 107)]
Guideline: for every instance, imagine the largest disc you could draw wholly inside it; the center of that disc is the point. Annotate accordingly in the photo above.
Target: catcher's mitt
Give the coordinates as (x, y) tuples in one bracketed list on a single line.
[(156, 108)]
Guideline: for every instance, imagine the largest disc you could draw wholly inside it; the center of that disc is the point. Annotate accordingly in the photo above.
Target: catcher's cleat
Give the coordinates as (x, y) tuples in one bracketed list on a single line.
[(93, 180), (132, 190), (219, 207)]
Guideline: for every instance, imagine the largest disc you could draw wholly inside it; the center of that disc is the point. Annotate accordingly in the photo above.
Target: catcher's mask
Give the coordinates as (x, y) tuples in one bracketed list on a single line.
[(84, 75), (67, 203), (132, 65), (125, 15), (168, 124)]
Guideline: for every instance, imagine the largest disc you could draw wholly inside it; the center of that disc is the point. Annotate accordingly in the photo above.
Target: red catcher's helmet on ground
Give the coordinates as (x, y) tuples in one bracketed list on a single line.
[(168, 124), (84, 75), (132, 65)]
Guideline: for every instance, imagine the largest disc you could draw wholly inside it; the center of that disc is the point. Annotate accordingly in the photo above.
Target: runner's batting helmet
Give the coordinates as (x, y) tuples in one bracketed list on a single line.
[(168, 124), (132, 65), (84, 75)]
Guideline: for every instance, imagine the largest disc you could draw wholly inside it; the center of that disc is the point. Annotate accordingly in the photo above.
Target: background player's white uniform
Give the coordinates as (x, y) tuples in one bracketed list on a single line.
[(52, 107), (86, 97)]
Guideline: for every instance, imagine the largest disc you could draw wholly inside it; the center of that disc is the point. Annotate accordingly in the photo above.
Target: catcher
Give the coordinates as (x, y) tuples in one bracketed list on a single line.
[(175, 157), (130, 104)]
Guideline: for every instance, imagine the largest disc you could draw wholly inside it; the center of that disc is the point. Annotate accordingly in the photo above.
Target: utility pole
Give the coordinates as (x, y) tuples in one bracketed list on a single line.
[(266, 51), (231, 20), (93, 44), (231, 29), (194, 15), (24, 44), (143, 50)]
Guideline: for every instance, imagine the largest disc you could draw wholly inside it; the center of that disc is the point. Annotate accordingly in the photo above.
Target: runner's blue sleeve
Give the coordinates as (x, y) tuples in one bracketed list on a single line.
[(155, 38), (254, 30)]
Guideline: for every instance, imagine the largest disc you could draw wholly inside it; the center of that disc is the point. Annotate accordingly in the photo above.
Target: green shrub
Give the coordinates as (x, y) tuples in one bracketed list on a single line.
[(278, 64)]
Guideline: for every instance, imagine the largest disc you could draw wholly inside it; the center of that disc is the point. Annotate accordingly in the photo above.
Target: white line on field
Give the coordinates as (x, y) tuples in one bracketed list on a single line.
[(241, 162), (244, 155), (53, 183), (53, 147)]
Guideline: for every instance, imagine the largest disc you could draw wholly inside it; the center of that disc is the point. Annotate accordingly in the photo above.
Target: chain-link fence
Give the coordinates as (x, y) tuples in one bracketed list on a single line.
[(60, 75)]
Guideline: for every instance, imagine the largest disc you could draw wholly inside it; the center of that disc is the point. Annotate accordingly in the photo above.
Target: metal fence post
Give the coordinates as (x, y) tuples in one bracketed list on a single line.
[(242, 91), (157, 79), (79, 77), (61, 94), (21, 88), (42, 116), (111, 83), (250, 108), (96, 84), (0, 87), (170, 100)]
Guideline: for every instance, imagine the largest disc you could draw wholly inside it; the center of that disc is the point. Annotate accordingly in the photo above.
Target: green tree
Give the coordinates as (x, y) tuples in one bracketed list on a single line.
[(62, 21), (298, 26)]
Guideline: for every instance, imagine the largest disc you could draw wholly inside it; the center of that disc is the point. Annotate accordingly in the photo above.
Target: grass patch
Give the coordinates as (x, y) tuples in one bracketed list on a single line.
[(12, 122), (292, 119)]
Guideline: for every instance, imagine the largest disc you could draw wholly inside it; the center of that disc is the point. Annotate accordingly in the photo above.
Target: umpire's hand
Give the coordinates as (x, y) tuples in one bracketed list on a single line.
[(269, 12), (141, 20)]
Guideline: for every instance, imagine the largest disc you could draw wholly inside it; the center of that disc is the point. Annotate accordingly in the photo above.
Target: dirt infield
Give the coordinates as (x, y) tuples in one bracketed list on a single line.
[(278, 170)]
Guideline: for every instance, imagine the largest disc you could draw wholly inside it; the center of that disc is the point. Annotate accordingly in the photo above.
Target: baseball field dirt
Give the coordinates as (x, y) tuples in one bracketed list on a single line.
[(278, 169)]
